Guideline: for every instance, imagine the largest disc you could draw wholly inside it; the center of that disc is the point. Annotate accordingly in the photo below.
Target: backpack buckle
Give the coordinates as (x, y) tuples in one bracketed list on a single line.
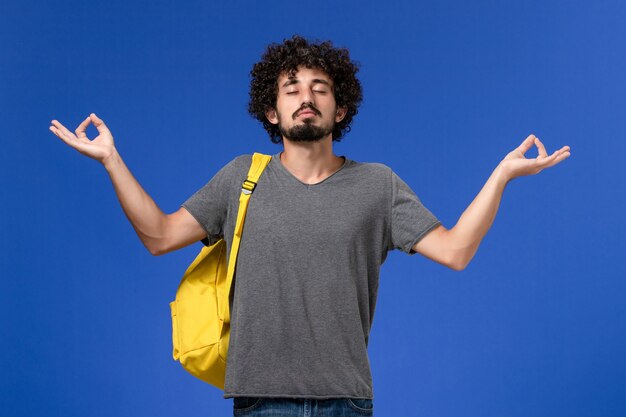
[(248, 187)]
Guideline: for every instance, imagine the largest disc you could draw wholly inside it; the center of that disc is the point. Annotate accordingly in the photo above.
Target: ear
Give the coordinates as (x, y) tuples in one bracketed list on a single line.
[(271, 116), (341, 113)]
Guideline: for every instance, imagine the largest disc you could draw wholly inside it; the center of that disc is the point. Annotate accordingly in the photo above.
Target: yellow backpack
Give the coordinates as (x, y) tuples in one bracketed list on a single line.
[(200, 312)]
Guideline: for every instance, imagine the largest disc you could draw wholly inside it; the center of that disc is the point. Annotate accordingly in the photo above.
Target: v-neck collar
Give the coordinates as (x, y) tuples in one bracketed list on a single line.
[(281, 167)]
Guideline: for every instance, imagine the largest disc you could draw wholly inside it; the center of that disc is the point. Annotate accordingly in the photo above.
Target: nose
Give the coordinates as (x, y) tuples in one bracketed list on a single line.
[(307, 95)]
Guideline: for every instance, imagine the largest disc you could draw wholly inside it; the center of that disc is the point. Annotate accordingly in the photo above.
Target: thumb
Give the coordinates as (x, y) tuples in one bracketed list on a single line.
[(98, 123)]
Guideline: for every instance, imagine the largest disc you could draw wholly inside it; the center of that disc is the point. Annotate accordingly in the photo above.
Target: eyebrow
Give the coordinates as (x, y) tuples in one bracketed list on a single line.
[(314, 81)]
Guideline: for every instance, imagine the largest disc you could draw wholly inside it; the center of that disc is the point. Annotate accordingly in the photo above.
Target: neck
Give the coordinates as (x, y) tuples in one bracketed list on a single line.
[(310, 162)]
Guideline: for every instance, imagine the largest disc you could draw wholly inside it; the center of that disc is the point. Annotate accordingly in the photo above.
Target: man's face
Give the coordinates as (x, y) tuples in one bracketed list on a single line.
[(306, 110)]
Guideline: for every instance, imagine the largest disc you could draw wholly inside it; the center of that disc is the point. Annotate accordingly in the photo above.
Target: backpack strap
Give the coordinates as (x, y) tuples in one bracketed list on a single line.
[(259, 162)]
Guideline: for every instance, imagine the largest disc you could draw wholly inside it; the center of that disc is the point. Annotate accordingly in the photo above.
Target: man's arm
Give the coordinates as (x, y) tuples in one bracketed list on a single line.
[(160, 233), (456, 247)]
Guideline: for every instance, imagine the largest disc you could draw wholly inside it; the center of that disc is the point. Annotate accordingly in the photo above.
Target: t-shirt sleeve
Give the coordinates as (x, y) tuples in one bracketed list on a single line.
[(209, 205), (410, 220)]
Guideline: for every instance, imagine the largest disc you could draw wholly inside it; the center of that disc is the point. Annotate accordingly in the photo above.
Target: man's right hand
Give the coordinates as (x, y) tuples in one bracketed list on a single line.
[(160, 233), (100, 148)]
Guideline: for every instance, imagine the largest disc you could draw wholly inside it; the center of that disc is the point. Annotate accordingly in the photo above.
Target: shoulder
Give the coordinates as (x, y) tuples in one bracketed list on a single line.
[(372, 167), (236, 167), (372, 170), (374, 177), (240, 162)]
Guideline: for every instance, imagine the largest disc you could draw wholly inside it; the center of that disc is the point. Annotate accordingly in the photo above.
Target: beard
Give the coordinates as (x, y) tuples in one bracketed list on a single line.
[(305, 132)]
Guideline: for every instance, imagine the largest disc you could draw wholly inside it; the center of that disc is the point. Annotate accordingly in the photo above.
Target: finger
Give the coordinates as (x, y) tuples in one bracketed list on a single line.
[(70, 140), (555, 158), (80, 130), (102, 128), (526, 144), (57, 124), (564, 149), (544, 162), (63, 130), (540, 148), (562, 156)]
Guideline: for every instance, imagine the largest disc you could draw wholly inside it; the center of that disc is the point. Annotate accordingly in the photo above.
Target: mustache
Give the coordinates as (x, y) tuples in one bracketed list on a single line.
[(306, 107)]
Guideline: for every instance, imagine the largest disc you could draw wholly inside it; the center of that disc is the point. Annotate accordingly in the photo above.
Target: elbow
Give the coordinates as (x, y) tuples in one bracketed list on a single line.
[(458, 266), (459, 258), (158, 236), (458, 263), (156, 252), (155, 248)]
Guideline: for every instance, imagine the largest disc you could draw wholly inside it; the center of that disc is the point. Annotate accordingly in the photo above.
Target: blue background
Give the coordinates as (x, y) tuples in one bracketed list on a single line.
[(535, 326)]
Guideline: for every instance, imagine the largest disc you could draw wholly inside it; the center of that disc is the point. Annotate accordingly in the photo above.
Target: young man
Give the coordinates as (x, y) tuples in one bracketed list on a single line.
[(317, 230)]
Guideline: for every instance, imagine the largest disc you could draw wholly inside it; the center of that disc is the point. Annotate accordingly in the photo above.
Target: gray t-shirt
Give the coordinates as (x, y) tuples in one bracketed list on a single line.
[(306, 279)]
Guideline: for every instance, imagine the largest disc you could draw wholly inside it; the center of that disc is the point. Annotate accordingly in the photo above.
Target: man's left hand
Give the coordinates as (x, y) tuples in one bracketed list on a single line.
[(516, 164)]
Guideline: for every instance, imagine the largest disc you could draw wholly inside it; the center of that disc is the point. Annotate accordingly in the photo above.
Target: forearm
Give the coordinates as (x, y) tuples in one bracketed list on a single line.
[(146, 217), (476, 220)]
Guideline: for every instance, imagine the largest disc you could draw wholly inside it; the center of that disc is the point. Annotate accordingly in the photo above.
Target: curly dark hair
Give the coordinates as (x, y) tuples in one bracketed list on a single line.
[(286, 58)]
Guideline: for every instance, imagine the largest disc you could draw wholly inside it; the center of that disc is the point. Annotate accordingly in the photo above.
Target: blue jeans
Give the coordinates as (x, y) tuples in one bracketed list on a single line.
[(302, 407)]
